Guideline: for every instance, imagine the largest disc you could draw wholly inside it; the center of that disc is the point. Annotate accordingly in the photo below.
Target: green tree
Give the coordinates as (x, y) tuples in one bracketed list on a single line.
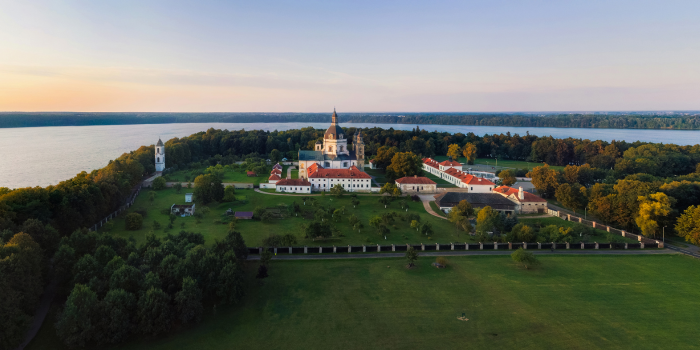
[(133, 221), (426, 229), (230, 283), (229, 194), (207, 189), (571, 196), (159, 183), (384, 156), (415, 224), (545, 180), (487, 220), (688, 225), (507, 177), (384, 200), (154, 314), (355, 202), (117, 311), (404, 164), (524, 258), (337, 190), (77, 324), (388, 187), (178, 187), (275, 156), (189, 301), (217, 171), (411, 256)]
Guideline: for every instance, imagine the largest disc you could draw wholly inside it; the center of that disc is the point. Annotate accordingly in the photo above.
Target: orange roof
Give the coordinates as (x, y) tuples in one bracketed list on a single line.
[(351, 173), (293, 182), (415, 180), (450, 163), (468, 178), (312, 167), (529, 197), (274, 177), (431, 162)]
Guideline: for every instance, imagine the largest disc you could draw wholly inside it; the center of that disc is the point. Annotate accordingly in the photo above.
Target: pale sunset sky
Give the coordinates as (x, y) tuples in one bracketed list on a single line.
[(359, 56)]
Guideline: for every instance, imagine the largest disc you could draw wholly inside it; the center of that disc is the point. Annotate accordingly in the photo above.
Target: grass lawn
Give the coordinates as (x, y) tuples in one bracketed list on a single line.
[(229, 176), (502, 163), (571, 302), (378, 175), (436, 209), (254, 231), (439, 181)]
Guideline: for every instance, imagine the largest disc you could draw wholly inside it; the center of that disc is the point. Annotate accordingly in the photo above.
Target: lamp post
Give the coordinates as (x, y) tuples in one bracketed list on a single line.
[(664, 234)]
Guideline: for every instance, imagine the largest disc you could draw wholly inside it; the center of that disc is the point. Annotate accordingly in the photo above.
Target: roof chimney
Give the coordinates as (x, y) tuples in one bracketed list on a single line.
[(521, 195)]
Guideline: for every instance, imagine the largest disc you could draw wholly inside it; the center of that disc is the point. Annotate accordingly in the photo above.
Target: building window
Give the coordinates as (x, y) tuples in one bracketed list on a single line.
[(158, 159)]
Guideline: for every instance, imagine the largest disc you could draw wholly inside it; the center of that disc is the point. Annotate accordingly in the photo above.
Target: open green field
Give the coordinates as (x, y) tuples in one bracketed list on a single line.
[(229, 176), (502, 163), (571, 302), (254, 231), (378, 175)]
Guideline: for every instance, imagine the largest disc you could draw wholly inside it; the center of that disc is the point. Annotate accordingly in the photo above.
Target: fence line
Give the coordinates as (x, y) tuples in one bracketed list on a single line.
[(450, 247), (597, 225), (127, 205)]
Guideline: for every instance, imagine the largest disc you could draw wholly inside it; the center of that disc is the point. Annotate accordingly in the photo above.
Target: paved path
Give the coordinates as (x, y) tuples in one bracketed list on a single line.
[(426, 205), (317, 256), (289, 171)]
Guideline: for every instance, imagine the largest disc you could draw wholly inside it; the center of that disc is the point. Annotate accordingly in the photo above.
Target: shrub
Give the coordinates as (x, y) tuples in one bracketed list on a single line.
[(159, 183), (134, 221), (441, 260), (524, 258)]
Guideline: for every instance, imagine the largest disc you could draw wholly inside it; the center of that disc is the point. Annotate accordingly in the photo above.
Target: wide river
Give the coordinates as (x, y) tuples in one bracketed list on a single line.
[(48, 155)]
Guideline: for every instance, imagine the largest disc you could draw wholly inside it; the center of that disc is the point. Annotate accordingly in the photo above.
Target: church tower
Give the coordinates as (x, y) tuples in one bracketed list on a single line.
[(359, 147), (160, 156)]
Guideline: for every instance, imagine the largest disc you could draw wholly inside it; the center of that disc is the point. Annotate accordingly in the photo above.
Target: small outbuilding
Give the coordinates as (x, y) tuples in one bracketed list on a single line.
[(244, 215), (251, 174), (188, 197), (182, 209), (416, 184), (294, 186)]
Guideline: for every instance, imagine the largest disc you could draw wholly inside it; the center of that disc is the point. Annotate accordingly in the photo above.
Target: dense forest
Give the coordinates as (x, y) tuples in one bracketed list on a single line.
[(637, 186), (617, 120)]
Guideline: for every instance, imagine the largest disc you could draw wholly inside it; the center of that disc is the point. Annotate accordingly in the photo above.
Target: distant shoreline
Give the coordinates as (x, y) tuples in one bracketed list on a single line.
[(688, 120)]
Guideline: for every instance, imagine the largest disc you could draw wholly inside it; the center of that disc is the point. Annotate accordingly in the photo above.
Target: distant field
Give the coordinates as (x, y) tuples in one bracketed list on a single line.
[(571, 302)]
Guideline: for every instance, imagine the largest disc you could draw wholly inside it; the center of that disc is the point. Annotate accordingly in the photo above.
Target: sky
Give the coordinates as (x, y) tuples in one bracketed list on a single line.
[(358, 56)]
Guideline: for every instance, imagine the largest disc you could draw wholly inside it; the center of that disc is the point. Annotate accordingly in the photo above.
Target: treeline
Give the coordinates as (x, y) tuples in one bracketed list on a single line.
[(650, 120)]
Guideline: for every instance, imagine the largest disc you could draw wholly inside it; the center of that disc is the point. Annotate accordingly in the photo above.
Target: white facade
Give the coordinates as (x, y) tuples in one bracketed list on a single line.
[(160, 156), (350, 185)]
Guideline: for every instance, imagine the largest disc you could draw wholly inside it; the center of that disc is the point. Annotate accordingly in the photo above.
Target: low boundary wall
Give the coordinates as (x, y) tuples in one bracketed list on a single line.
[(599, 226)]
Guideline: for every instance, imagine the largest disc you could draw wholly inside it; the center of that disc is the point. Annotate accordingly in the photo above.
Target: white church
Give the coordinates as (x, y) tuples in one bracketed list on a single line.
[(332, 163)]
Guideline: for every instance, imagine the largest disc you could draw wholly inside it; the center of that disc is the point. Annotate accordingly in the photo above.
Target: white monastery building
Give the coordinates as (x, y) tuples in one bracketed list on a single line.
[(352, 179), (451, 171), (293, 186)]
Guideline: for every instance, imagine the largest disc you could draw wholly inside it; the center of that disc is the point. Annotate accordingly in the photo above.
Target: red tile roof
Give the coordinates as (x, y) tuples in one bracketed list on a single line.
[(415, 180), (529, 197), (468, 178), (274, 177), (293, 182), (431, 162), (276, 171), (351, 173), (450, 163)]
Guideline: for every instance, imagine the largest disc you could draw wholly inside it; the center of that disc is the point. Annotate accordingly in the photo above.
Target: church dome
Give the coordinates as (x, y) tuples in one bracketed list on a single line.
[(160, 143), (334, 131)]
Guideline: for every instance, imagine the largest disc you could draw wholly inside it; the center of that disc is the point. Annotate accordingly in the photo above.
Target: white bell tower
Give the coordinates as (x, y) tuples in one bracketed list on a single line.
[(160, 156)]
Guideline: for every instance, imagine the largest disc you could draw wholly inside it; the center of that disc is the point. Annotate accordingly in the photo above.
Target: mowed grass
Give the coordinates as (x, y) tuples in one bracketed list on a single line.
[(254, 231), (571, 302), (229, 176), (600, 236)]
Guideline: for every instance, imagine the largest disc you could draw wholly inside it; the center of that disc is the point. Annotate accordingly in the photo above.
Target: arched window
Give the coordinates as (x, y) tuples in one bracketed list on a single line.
[(158, 159), (158, 149)]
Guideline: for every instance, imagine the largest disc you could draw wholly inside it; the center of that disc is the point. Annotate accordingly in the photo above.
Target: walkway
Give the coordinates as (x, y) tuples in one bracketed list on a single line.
[(465, 253), (426, 205), (289, 171)]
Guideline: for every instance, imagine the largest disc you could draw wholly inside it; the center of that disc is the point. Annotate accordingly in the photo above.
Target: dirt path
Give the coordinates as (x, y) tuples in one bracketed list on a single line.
[(426, 205)]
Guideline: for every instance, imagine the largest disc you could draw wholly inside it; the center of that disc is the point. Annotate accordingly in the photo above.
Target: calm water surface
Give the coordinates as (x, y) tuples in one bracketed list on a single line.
[(48, 155)]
